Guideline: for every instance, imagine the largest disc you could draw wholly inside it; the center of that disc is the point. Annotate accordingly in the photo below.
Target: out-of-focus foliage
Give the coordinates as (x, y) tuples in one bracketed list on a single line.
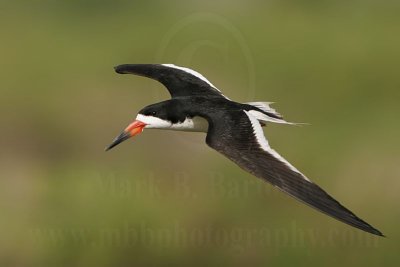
[(165, 198)]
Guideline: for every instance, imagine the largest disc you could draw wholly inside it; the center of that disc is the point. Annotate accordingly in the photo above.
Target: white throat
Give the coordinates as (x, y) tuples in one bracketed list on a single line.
[(195, 124)]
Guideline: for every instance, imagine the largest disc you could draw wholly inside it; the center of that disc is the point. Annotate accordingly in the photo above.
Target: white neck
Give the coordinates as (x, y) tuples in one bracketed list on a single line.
[(196, 124)]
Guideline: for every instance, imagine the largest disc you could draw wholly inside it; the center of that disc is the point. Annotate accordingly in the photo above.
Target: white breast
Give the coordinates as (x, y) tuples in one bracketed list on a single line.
[(196, 124)]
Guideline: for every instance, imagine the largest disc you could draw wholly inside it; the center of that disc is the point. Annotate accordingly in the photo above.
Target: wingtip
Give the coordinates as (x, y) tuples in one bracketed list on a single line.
[(378, 233), (121, 69), (138, 69), (368, 228)]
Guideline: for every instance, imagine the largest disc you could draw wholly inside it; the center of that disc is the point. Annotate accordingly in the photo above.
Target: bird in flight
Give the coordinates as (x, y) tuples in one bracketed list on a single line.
[(233, 129)]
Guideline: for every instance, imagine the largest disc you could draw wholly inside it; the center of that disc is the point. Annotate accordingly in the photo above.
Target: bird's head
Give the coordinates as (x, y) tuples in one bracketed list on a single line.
[(161, 115)]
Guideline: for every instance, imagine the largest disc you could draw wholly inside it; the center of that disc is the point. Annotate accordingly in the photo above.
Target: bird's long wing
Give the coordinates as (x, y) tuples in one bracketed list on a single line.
[(179, 81), (242, 140)]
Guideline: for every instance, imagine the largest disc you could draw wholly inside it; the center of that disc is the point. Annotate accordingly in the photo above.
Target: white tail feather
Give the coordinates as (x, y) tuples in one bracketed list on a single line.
[(265, 118), (265, 106)]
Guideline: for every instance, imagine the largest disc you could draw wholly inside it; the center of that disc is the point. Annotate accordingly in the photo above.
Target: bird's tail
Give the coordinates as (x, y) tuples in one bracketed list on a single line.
[(268, 114)]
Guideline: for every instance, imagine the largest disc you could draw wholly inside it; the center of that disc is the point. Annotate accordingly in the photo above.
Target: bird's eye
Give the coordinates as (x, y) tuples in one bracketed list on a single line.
[(153, 113)]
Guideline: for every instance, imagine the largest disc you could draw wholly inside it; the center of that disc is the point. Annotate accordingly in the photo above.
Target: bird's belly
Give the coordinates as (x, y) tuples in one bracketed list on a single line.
[(195, 124)]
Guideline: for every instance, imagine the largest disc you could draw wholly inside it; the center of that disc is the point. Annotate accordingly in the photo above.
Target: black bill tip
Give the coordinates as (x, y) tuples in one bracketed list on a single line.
[(119, 139)]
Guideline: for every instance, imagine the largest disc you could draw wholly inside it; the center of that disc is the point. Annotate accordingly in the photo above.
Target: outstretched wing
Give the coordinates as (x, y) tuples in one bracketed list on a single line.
[(179, 81), (242, 140)]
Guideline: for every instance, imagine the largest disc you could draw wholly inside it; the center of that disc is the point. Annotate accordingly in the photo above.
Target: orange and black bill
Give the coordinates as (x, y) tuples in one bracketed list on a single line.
[(133, 129)]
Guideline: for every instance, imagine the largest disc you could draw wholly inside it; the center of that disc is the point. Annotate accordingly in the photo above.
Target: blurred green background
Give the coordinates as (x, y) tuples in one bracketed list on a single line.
[(165, 198)]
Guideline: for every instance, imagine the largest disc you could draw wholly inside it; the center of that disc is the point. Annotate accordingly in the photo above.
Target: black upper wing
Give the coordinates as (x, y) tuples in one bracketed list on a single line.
[(179, 81), (241, 139)]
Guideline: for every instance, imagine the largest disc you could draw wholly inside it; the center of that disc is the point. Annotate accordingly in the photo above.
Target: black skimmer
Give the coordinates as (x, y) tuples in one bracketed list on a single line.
[(233, 129)]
